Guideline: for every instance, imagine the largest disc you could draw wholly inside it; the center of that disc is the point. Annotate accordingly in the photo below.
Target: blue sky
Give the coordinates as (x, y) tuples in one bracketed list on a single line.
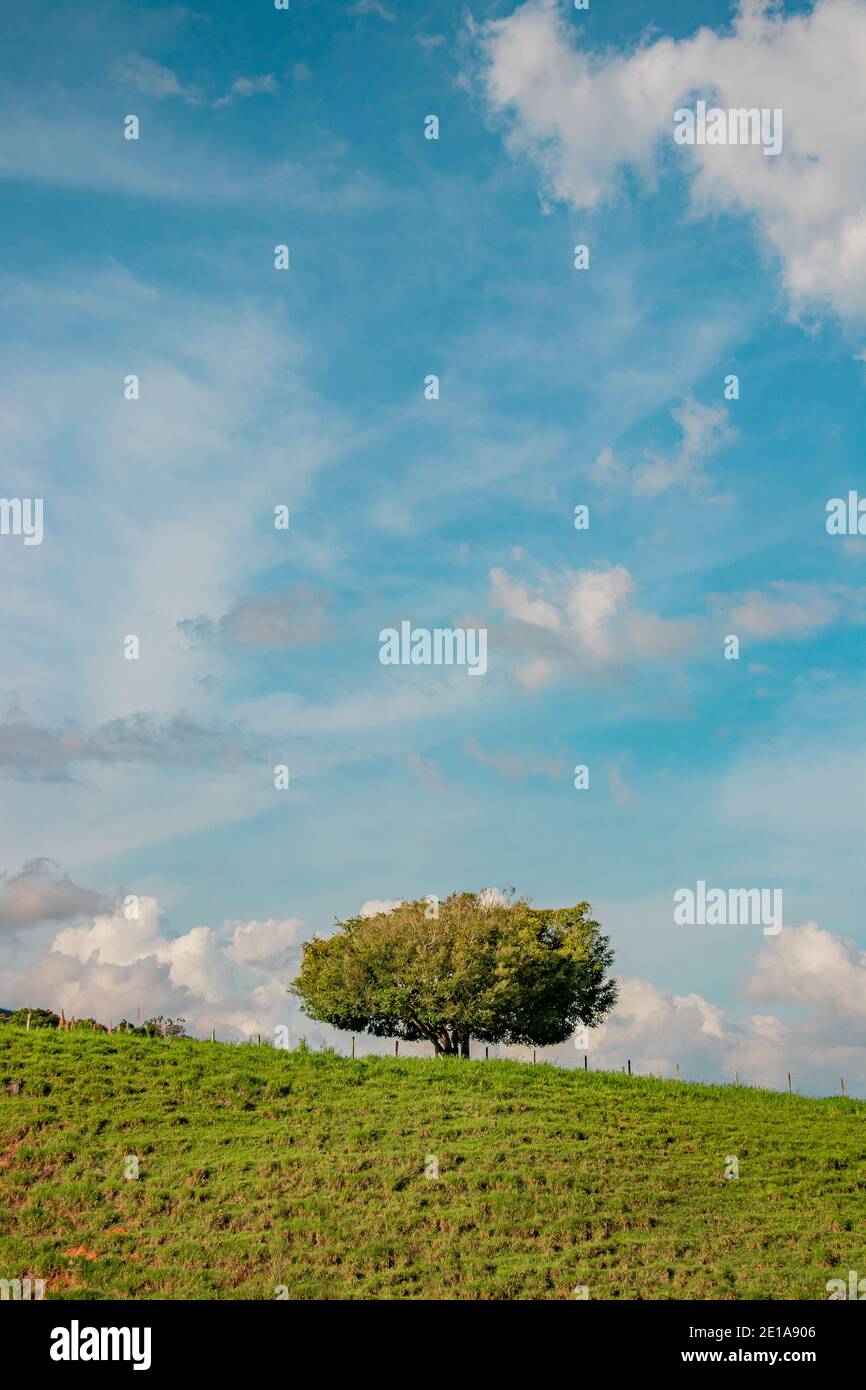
[(557, 387)]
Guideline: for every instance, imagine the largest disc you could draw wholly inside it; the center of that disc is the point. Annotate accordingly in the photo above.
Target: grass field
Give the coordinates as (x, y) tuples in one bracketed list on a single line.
[(260, 1168)]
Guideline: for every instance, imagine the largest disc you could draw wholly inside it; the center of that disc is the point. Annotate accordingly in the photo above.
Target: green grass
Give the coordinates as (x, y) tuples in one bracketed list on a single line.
[(261, 1168)]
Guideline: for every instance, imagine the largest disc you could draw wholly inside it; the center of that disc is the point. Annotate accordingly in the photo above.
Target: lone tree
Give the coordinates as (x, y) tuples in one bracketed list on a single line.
[(471, 966)]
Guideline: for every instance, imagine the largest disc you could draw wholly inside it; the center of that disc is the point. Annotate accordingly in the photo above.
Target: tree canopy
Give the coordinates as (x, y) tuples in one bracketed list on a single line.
[(472, 966)]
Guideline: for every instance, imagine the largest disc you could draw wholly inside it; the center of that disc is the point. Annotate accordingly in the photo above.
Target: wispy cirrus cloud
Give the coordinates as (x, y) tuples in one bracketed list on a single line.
[(39, 752), (154, 79), (517, 767), (373, 7), (788, 610)]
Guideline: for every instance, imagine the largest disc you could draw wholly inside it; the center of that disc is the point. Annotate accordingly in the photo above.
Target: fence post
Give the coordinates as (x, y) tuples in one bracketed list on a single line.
[(353, 1047), (396, 1047), (213, 1035), (629, 1066), (485, 1054), (842, 1080), (789, 1083), (585, 1062), (679, 1078), (28, 1020)]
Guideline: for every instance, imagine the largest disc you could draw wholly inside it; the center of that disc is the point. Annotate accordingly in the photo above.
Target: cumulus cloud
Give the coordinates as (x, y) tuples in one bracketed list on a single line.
[(201, 960), (374, 906), (812, 967), (492, 897), (39, 892), (588, 119), (705, 430), (233, 978), (271, 943), (595, 597), (585, 620), (90, 989), (518, 602), (818, 979)]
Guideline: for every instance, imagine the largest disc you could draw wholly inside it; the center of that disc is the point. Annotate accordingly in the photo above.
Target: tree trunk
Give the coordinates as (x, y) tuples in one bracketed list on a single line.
[(453, 1044)]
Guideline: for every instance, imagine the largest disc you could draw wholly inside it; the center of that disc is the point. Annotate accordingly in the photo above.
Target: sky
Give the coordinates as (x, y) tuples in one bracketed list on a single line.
[(307, 388)]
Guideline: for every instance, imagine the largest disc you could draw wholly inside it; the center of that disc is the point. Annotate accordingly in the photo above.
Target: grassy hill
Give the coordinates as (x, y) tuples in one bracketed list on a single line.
[(260, 1168)]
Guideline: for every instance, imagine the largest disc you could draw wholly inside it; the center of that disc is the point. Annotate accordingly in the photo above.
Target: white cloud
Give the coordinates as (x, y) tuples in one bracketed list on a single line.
[(114, 939), (374, 906), (584, 618), (84, 151), (787, 610), (705, 430), (587, 117), (373, 7), (197, 961), (245, 87), (813, 967), (153, 79), (251, 86), (492, 897), (89, 989), (517, 602), (806, 968), (607, 469), (234, 978), (268, 943), (594, 600)]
